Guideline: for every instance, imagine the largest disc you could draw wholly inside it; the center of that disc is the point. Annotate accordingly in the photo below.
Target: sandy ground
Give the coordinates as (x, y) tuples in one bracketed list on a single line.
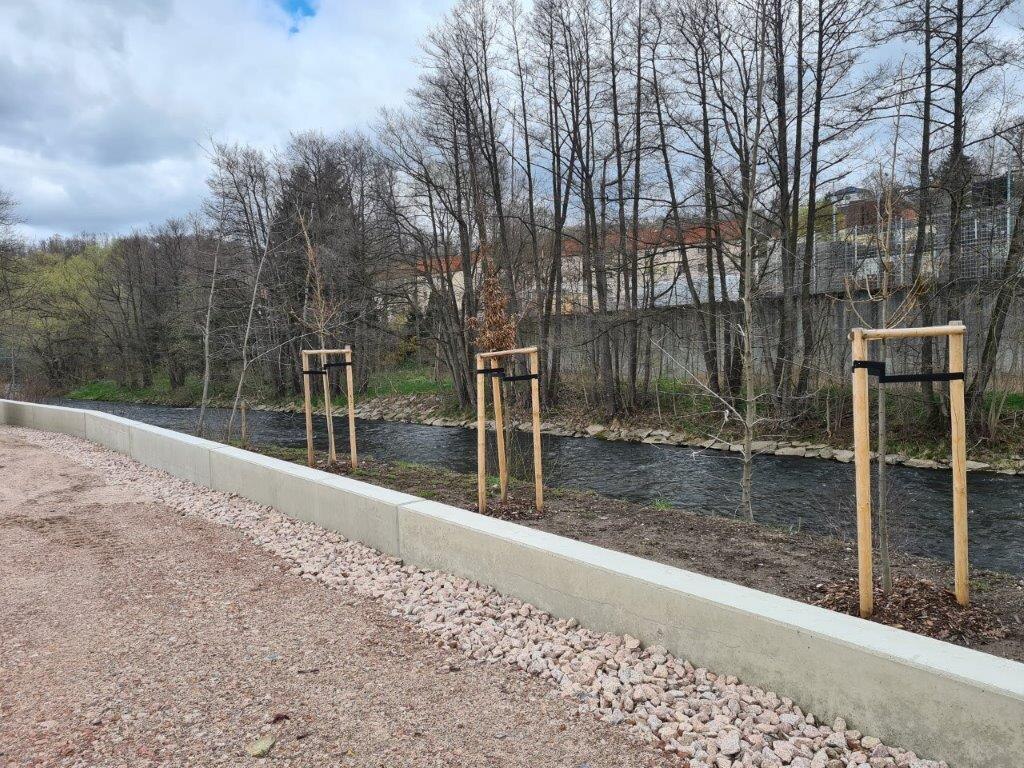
[(131, 635)]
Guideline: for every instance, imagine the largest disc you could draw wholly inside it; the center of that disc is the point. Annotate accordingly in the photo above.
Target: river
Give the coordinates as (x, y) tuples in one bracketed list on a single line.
[(798, 494)]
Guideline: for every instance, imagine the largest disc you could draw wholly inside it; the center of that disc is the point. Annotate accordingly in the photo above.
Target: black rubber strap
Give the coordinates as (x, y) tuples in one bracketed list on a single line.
[(907, 377), (491, 371), (343, 364), (315, 372), (877, 368), (523, 377)]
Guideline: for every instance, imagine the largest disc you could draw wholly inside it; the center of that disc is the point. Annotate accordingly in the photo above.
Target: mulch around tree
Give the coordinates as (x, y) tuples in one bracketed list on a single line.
[(511, 508), (920, 606)]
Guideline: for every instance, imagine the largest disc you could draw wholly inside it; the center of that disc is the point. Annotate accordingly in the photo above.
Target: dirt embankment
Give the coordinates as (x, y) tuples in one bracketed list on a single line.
[(795, 565)]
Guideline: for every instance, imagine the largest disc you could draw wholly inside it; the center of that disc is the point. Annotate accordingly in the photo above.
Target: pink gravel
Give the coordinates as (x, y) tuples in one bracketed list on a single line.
[(143, 618), (131, 635)]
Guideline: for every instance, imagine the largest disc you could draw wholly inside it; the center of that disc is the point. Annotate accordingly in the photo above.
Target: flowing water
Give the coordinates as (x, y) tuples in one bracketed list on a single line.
[(806, 494)]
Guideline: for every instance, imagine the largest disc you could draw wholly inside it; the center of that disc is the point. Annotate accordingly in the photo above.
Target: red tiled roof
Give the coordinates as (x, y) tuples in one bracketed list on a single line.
[(451, 263)]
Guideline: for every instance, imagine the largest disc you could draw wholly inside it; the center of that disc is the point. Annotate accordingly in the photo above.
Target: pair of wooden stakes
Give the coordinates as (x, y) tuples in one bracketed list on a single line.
[(323, 357), (488, 365), (492, 365), (863, 366)]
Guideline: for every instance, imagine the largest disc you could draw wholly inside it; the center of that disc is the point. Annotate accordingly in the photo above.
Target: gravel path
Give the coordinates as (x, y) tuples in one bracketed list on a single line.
[(133, 632)]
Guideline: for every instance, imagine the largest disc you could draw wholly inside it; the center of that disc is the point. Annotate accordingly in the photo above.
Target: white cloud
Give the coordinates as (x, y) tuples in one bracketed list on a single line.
[(104, 104)]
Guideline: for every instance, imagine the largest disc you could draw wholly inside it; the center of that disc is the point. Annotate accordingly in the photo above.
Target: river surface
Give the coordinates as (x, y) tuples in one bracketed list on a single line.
[(798, 494)]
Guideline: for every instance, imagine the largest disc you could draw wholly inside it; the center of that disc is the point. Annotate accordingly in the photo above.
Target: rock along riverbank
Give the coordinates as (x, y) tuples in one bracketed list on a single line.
[(417, 410)]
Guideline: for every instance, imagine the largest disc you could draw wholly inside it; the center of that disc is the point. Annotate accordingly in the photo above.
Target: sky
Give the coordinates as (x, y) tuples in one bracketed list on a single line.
[(108, 107)]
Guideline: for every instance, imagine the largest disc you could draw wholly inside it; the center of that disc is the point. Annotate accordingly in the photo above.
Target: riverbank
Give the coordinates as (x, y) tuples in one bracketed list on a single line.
[(413, 398), (810, 568)]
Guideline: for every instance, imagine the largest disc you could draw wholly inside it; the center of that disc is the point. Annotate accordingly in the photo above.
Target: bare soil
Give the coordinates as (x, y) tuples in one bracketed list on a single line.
[(796, 565), (131, 635)]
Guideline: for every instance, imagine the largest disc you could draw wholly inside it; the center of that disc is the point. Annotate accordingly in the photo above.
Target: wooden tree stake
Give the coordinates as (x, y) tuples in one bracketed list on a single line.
[(310, 460), (322, 355), (954, 333), (862, 459), (491, 361), (481, 437), (958, 429)]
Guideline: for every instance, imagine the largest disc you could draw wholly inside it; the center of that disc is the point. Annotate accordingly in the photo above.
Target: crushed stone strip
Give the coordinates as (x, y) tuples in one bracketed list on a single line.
[(709, 720)]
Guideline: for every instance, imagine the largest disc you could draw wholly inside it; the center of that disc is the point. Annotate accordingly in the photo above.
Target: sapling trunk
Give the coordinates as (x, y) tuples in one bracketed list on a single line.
[(206, 339), (882, 514)]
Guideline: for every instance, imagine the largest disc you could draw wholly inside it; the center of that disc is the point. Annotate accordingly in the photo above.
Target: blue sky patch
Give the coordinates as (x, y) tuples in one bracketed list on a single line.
[(299, 9)]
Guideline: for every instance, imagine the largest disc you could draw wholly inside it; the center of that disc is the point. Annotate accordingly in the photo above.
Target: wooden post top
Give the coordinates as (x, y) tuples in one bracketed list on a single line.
[(507, 352), (954, 328), (342, 351)]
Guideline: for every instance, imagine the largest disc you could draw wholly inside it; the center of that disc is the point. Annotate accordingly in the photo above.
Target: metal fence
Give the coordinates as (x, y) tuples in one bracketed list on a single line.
[(858, 252)]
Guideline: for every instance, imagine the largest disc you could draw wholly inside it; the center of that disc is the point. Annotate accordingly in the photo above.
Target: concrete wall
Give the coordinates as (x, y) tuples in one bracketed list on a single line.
[(358, 510), (940, 700), (49, 418), (909, 690), (108, 430)]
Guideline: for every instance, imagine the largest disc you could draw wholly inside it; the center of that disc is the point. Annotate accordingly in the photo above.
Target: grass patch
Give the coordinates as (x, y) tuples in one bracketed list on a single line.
[(103, 390), (294, 455), (406, 381), (399, 381), (1014, 402), (160, 392)]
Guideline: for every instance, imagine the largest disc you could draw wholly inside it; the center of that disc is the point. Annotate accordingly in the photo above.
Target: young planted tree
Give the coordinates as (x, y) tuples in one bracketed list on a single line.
[(207, 327), (752, 75), (11, 269)]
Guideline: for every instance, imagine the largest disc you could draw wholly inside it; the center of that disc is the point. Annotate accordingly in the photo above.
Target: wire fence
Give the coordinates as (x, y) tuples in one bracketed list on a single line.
[(858, 252), (847, 254)]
